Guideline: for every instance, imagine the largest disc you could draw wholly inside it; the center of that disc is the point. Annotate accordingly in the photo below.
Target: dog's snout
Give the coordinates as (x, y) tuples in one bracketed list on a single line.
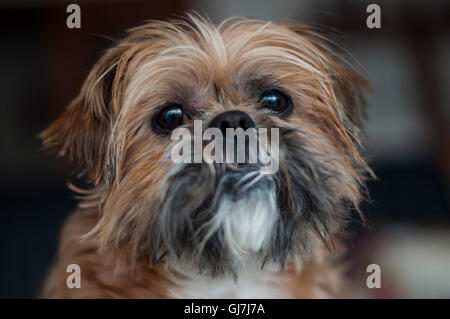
[(232, 119)]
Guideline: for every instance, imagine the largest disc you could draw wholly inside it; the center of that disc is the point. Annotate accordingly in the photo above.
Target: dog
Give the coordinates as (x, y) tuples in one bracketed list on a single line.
[(147, 227)]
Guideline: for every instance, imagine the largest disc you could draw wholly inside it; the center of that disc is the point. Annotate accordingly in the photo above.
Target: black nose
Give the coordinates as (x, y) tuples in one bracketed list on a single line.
[(232, 119)]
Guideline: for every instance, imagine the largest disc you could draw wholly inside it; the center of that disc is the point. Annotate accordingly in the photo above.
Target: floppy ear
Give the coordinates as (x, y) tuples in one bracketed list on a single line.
[(83, 130), (350, 87)]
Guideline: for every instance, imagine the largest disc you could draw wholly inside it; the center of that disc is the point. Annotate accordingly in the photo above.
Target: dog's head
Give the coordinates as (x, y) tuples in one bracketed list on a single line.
[(216, 218)]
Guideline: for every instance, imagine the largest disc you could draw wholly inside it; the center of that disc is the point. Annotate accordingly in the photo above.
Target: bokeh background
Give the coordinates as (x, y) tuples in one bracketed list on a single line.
[(43, 64)]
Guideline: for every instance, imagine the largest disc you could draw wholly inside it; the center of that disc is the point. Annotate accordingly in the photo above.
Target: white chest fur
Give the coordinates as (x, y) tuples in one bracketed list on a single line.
[(256, 285)]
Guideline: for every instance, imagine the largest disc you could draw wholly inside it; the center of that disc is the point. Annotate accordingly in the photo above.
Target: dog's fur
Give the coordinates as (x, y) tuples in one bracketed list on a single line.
[(150, 228)]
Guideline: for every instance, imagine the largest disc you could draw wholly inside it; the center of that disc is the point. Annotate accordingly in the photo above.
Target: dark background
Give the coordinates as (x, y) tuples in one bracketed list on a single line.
[(43, 64)]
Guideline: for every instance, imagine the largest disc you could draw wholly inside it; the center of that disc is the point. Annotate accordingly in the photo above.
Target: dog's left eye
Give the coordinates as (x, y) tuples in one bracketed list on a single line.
[(168, 118), (275, 100)]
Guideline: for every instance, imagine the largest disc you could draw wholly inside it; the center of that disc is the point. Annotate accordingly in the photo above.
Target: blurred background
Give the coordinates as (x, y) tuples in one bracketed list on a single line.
[(43, 64)]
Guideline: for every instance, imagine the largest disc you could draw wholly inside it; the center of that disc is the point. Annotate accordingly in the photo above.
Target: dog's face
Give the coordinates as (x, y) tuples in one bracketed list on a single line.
[(216, 218)]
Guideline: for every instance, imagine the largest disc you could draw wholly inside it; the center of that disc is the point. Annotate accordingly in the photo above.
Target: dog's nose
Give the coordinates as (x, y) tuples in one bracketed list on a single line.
[(232, 119)]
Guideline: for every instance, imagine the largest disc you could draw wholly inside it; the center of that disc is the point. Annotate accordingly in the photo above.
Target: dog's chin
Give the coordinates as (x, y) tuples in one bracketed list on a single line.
[(248, 220), (217, 220)]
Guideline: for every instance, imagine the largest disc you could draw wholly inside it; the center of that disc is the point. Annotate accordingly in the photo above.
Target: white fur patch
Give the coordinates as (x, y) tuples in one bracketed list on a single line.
[(252, 285), (248, 222)]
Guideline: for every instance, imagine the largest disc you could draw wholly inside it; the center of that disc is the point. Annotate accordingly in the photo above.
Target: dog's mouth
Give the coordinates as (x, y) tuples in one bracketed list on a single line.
[(238, 179)]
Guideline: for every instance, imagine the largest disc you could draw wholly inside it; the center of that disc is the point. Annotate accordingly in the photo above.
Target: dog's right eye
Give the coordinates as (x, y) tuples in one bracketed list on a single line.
[(168, 118)]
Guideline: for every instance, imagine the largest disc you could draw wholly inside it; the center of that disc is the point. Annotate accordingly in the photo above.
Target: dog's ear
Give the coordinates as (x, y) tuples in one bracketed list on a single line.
[(349, 87), (83, 131)]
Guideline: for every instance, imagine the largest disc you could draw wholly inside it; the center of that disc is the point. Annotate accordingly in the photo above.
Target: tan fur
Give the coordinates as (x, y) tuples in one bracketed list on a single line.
[(104, 277), (105, 130)]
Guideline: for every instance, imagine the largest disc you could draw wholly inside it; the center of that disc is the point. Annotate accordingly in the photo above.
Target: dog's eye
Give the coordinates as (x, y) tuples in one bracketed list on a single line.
[(276, 101), (169, 118)]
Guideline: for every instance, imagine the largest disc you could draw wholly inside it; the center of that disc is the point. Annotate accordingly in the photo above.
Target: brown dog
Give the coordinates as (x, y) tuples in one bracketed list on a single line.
[(148, 227)]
